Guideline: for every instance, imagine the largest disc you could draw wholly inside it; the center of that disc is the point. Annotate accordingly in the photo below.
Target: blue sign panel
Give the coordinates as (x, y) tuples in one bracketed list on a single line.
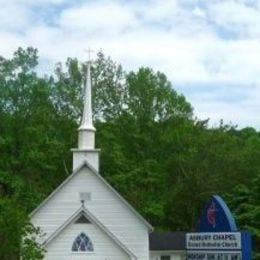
[(246, 245), (217, 236), (216, 217)]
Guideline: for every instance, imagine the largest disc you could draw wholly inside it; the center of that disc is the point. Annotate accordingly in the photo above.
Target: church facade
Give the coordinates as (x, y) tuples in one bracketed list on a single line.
[(86, 218)]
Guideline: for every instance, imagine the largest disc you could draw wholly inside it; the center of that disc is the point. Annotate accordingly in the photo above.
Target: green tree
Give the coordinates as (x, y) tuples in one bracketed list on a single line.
[(164, 161), (32, 151), (17, 234), (132, 158)]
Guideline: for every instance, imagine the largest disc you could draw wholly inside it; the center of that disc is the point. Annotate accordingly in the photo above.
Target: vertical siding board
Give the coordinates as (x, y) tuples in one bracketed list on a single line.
[(104, 205)]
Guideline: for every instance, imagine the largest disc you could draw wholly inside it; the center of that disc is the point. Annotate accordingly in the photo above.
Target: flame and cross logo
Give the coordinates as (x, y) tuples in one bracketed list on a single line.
[(211, 214)]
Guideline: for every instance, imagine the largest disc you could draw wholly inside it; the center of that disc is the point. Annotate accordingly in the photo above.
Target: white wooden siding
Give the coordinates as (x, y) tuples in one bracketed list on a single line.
[(104, 205), (104, 247)]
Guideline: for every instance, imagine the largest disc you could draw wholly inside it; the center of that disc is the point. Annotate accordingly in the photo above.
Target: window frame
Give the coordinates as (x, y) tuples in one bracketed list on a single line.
[(85, 245)]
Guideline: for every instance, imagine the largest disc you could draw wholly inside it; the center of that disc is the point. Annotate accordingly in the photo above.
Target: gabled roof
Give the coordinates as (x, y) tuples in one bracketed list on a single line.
[(167, 241), (93, 219), (86, 164)]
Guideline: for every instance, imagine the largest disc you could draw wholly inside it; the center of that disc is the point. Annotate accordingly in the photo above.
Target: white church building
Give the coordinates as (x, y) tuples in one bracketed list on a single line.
[(86, 218)]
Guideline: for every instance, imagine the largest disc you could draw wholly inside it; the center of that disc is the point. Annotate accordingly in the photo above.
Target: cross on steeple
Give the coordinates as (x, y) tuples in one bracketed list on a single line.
[(89, 51)]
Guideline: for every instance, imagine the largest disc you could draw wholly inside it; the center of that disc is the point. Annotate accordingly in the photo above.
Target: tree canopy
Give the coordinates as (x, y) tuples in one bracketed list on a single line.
[(162, 159)]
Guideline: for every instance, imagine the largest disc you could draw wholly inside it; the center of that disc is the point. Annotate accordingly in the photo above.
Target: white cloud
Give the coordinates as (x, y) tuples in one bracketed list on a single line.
[(237, 17), (159, 11), (98, 18), (13, 17), (27, 3), (9, 42), (215, 44), (244, 112)]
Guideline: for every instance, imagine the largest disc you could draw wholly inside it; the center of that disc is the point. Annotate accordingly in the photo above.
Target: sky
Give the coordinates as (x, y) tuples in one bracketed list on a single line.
[(209, 49)]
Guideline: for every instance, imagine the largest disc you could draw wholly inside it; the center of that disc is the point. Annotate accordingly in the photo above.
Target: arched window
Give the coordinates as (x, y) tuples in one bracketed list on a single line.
[(82, 243)]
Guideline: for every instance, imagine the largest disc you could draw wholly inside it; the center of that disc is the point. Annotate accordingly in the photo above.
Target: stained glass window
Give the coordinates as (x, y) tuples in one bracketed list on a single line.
[(82, 243)]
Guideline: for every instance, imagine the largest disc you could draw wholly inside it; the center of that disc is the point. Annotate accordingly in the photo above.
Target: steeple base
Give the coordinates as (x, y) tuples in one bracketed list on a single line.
[(86, 138), (89, 155)]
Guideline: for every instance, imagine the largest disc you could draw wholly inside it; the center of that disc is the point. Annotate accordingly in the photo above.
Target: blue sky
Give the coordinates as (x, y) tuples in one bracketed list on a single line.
[(209, 49)]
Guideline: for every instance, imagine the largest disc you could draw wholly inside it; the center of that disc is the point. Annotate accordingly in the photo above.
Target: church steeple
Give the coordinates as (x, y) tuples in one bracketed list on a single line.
[(86, 129), (87, 122), (86, 132)]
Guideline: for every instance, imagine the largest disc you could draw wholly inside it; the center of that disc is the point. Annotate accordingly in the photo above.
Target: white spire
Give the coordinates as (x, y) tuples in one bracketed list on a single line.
[(86, 129), (86, 121), (86, 151)]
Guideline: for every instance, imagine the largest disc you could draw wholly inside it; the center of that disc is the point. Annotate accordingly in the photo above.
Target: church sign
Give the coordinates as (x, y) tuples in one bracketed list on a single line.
[(217, 236), (226, 241)]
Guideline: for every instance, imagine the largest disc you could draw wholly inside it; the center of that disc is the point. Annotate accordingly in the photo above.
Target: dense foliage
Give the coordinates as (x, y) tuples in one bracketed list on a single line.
[(155, 153)]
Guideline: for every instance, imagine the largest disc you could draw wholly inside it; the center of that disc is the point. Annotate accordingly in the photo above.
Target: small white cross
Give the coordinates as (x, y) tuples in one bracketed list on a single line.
[(89, 51)]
